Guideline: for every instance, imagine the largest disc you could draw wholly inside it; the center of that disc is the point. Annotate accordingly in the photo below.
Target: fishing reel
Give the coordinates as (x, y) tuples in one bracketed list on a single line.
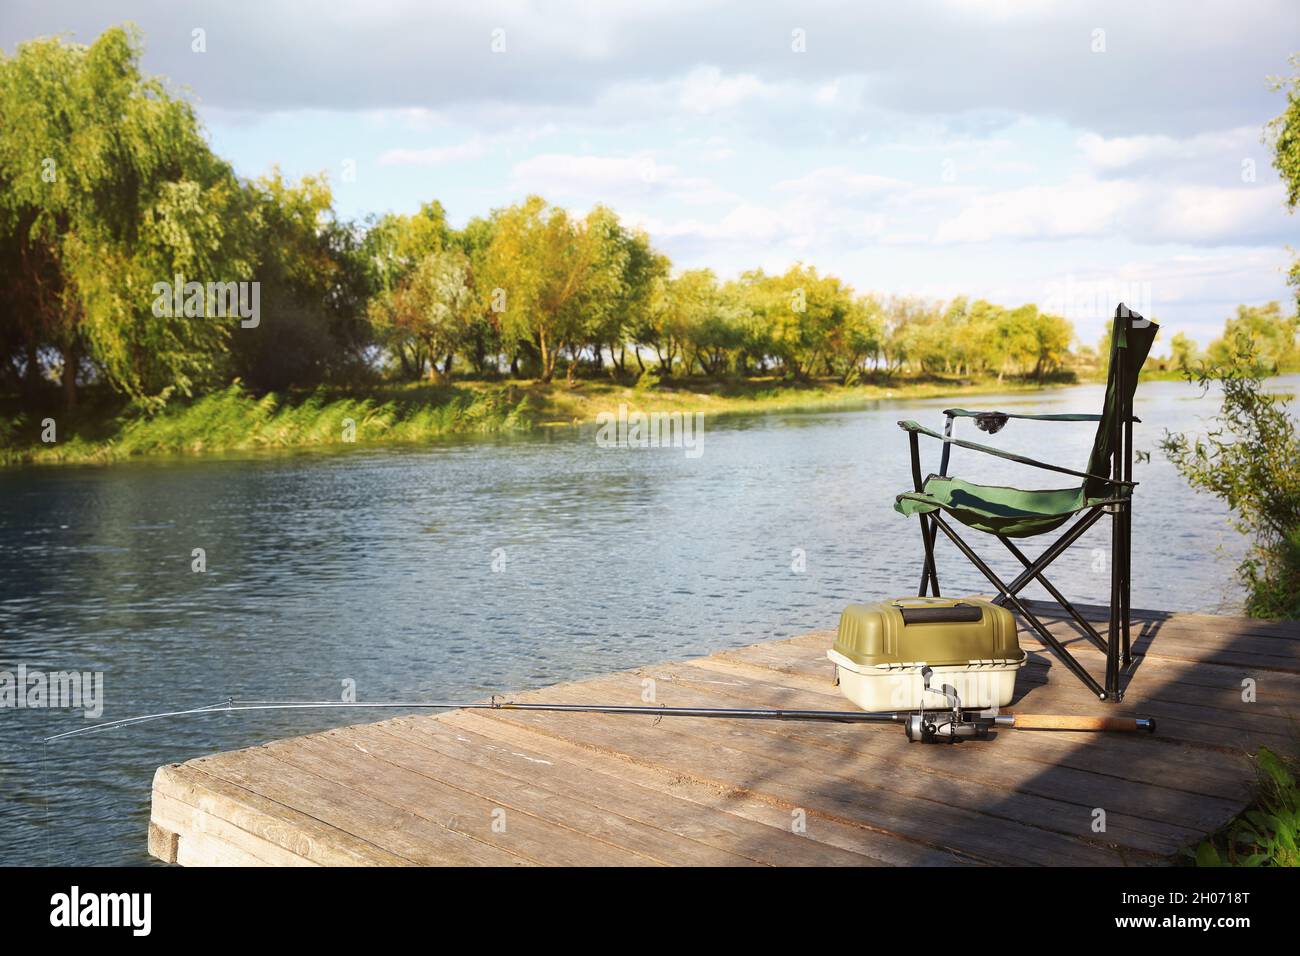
[(943, 726), (991, 422)]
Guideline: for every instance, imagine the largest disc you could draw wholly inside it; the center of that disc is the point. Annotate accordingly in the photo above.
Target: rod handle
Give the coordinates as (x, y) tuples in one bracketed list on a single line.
[(1068, 722)]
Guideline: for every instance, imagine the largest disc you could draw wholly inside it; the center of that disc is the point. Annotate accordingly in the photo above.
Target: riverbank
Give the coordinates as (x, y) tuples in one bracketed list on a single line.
[(234, 420)]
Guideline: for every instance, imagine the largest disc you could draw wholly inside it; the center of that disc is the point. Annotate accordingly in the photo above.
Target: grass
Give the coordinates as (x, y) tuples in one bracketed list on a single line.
[(234, 419)]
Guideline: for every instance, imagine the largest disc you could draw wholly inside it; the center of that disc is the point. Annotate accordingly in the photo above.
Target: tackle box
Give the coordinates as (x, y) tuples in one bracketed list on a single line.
[(967, 642)]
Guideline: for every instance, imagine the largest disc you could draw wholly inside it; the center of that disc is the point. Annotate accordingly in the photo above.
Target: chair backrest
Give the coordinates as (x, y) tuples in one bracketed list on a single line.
[(1130, 342)]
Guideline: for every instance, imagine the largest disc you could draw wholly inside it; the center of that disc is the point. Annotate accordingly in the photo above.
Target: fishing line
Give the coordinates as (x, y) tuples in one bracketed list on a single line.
[(144, 718), (232, 705)]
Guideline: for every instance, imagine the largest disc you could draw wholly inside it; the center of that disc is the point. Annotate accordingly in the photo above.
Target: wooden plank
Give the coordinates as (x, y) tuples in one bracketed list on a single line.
[(881, 846), (1178, 639), (1289, 630), (338, 756), (669, 829), (353, 812), (198, 824), (205, 850), (162, 843), (525, 796), (273, 822)]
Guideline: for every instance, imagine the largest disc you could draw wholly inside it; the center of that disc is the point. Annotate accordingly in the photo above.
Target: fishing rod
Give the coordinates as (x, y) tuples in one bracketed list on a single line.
[(948, 725)]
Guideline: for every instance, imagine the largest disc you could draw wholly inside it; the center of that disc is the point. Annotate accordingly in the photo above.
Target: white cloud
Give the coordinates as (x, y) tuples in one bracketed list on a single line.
[(434, 155), (1140, 211), (611, 179), (1213, 156), (841, 182), (706, 90)]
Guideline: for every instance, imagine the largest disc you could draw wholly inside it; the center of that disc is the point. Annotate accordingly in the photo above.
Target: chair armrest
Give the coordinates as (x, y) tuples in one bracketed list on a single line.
[(1063, 417), (914, 429)]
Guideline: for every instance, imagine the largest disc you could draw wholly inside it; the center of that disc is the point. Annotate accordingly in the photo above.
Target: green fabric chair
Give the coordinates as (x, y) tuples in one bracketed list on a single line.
[(1104, 487)]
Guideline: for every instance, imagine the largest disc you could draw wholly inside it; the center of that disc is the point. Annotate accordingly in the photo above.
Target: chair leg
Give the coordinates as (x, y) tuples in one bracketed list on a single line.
[(1113, 629), (928, 574), (1125, 644)]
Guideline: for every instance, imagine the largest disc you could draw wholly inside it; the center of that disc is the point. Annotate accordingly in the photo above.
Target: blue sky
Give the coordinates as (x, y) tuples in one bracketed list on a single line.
[(1060, 153)]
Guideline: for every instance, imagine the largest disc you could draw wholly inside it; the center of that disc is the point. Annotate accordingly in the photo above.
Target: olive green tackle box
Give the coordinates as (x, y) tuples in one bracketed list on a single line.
[(966, 642)]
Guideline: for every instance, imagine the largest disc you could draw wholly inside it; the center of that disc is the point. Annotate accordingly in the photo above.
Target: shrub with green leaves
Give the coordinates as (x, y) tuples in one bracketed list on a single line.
[(1250, 457), (1266, 834)]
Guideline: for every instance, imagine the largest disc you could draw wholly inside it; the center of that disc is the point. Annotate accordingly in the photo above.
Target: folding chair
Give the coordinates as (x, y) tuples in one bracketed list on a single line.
[(1007, 513)]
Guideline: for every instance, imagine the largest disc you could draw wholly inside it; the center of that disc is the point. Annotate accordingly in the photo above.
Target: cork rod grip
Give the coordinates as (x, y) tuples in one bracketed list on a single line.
[(1065, 722)]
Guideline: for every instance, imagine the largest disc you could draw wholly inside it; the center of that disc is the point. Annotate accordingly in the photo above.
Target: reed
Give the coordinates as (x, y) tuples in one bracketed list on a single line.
[(235, 420)]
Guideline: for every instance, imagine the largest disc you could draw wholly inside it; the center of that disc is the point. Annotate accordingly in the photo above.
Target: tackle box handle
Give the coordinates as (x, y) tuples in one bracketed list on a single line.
[(959, 613)]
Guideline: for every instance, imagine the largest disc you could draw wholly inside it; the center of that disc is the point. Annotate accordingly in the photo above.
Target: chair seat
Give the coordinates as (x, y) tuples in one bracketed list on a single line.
[(996, 509)]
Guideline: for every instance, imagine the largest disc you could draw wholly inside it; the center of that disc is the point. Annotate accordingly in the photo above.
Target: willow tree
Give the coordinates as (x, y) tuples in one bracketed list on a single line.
[(314, 288), (538, 269), (617, 296), (803, 311), (107, 187), (395, 244), (429, 315)]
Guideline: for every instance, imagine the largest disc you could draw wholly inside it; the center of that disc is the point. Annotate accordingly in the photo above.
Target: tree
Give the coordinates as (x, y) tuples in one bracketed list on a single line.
[(801, 312), (1182, 351), (709, 317), (1052, 337), (394, 244), (618, 296), (1283, 132), (484, 336), (861, 336), (542, 260), (903, 340), (663, 325), (108, 187), (1270, 335), (314, 289), (428, 316)]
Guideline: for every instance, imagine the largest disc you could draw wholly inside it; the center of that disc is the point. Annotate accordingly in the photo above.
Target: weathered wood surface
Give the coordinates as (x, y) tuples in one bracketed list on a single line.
[(507, 788)]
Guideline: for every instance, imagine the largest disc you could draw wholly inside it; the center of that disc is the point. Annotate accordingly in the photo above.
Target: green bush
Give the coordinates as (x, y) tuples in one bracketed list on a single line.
[(1251, 459), (1268, 834)]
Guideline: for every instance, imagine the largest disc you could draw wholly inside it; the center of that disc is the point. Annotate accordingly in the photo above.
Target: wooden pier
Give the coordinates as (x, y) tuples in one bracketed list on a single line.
[(527, 788)]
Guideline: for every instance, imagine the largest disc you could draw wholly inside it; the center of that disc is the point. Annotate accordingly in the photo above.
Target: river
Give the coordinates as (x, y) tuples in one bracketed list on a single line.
[(476, 566)]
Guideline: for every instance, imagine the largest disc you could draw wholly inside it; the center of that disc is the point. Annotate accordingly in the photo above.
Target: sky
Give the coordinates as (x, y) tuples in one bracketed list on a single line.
[(1064, 153)]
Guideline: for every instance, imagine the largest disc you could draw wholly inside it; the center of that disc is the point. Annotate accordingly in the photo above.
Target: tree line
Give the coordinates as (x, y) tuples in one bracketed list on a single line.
[(108, 186)]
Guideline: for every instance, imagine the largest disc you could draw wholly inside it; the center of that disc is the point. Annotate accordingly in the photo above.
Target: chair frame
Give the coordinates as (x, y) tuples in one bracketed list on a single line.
[(1118, 503)]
